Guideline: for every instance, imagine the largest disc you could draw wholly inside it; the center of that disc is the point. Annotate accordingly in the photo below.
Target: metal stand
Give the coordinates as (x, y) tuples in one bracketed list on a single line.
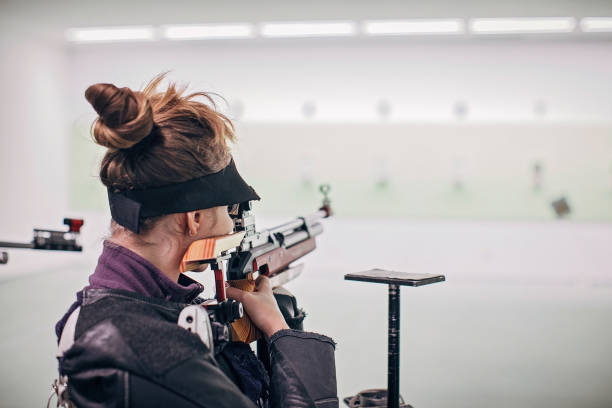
[(394, 280), (393, 358)]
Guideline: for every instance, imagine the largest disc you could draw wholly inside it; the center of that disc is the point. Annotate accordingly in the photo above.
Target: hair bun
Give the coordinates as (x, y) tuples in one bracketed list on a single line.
[(125, 118)]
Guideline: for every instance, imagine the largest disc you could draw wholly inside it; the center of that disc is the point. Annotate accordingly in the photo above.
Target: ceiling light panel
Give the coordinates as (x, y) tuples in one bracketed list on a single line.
[(414, 27), (596, 24), (309, 29), (523, 25), (207, 31), (110, 34)]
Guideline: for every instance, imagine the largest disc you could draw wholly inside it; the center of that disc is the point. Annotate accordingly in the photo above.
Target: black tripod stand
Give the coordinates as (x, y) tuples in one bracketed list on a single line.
[(376, 398)]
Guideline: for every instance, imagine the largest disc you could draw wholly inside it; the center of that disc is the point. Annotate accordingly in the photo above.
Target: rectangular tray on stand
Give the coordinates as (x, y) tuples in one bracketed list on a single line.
[(394, 280)]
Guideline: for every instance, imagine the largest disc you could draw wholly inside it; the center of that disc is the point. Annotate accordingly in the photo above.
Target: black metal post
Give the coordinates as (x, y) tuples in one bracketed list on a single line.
[(394, 347)]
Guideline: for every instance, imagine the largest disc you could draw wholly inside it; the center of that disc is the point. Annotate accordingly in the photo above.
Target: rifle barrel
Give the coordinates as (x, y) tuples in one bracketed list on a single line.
[(299, 236), (315, 216), (299, 222), (16, 245), (288, 226)]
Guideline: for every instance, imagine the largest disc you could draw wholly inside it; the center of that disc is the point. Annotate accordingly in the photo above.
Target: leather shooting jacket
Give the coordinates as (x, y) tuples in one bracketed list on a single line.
[(126, 350)]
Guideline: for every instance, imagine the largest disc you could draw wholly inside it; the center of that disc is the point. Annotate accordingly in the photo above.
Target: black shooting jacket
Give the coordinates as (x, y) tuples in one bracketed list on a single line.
[(128, 351)]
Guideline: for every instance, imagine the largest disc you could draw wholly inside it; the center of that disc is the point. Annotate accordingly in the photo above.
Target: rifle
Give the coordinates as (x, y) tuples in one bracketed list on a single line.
[(49, 239), (242, 256)]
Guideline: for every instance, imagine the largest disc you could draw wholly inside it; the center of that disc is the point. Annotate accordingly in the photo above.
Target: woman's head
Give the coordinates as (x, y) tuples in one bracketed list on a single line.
[(157, 138)]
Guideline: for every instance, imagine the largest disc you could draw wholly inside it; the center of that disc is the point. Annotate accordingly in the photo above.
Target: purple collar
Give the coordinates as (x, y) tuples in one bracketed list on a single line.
[(120, 268)]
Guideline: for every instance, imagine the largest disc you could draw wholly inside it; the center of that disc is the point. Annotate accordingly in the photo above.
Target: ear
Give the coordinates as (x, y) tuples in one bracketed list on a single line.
[(193, 221)]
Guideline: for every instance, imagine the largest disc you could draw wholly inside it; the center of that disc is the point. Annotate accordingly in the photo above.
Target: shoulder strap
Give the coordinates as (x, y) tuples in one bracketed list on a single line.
[(67, 337)]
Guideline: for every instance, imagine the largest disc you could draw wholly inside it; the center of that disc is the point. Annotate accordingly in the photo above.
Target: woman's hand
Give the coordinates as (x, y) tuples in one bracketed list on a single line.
[(261, 306)]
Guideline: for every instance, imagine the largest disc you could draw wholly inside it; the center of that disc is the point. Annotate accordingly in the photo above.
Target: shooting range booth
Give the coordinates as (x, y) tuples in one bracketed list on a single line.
[(377, 398)]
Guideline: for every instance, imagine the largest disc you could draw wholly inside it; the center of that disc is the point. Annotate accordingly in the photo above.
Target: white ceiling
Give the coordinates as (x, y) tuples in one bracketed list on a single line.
[(50, 16)]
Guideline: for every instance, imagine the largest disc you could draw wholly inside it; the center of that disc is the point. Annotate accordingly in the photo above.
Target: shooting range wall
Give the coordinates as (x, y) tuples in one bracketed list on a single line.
[(413, 171), (438, 129)]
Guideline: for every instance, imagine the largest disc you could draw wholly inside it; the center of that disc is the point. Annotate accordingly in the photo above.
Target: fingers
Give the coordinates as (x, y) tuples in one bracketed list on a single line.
[(235, 294), (262, 283)]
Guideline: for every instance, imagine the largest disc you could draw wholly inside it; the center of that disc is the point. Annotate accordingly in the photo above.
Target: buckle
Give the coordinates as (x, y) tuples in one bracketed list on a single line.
[(59, 389)]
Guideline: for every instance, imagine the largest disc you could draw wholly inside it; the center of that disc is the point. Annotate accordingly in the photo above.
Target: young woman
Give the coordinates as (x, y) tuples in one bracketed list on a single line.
[(170, 179)]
